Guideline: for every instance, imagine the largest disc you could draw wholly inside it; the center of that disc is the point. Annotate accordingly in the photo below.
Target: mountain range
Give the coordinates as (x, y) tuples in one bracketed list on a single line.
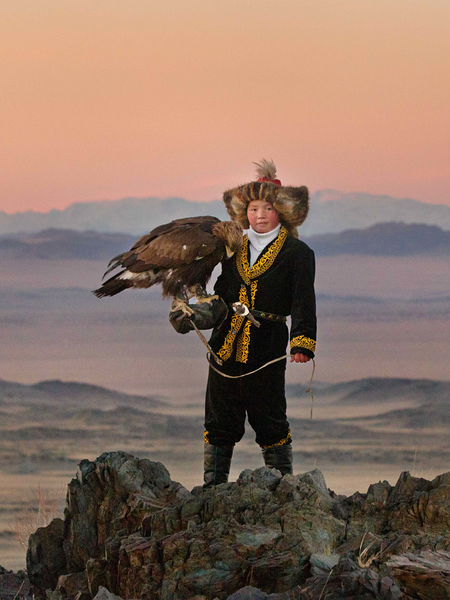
[(331, 212), (382, 239)]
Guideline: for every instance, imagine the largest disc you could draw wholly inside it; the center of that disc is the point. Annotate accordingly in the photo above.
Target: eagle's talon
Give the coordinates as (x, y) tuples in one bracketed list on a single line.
[(208, 299), (181, 305)]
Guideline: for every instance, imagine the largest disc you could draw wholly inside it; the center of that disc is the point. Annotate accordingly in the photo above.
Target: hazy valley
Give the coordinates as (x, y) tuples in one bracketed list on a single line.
[(381, 387)]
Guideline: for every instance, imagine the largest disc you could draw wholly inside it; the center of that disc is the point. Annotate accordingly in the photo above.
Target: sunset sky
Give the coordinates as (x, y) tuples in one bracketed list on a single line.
[(104, 99)]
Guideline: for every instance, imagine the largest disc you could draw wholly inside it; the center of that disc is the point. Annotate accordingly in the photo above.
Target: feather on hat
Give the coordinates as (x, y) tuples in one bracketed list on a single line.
[(291, 203)]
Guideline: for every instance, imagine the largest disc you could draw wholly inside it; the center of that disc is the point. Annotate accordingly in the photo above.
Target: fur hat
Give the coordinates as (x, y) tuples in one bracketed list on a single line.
[(291, 203)]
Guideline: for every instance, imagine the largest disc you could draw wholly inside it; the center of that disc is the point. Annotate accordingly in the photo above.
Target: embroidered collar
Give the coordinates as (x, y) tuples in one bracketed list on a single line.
[(264, 261), (258, 241)]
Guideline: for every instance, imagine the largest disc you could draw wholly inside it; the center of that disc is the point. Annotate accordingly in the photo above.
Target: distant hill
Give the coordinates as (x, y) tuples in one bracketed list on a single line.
[(377, 421), (67, 393), (382, 389), (331, 212), (64, 244), (58, 400), (431, 400), (383, 239)]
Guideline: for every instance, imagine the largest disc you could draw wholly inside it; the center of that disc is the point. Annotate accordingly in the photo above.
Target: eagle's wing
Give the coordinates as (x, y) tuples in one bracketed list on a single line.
[(170, 246), (179, 247)]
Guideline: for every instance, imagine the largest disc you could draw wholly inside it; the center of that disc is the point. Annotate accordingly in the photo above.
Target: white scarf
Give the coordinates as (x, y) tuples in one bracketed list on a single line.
[(258, 241)]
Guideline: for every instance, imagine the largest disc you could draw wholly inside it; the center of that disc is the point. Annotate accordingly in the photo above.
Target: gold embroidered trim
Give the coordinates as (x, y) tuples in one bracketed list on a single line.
[(244, 337), (205, 437), (286, 440), (242, 261), (264, 262), (248, 274), (253, 288), (243, 344), (236, 324), (303, 342)]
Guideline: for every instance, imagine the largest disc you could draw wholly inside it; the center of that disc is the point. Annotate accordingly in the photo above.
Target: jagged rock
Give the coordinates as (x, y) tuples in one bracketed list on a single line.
[(414, 506), (415, 503), (264, 478), (113, 493), (322, 564), (69, 586), (104, 594), (249, 593), (97, 574), (131, 530), (260, 529), (423, 575), (349, 581), (14, 586), (45, 557), (55, 595), (379, 492)]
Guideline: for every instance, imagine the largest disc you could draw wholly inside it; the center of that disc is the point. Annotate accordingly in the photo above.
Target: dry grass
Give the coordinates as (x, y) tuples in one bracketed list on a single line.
[(41, 510), (326, 583), (17, 596), (364, 559)]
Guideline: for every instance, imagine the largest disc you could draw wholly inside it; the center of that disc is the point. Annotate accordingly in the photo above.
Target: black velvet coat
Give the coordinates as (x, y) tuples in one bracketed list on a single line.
[(281, 282)]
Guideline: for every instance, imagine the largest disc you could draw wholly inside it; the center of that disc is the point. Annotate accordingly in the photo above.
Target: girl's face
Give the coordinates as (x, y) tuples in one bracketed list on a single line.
[(262, 216)]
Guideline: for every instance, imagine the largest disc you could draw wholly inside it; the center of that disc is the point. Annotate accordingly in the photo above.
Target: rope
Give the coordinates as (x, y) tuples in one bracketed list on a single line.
[(205, 342), (307, 391), (220, 362), (246, 374), (309, 388)]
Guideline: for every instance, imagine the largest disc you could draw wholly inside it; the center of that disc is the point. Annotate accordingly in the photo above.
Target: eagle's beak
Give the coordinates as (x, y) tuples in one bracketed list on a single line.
[(230, 252)]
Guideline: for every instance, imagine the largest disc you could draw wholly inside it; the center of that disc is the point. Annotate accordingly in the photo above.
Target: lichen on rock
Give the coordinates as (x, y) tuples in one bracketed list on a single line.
[(132, 531)]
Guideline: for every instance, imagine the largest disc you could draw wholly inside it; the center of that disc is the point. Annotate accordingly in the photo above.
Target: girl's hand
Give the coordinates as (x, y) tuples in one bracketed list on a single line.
[(299, 358)]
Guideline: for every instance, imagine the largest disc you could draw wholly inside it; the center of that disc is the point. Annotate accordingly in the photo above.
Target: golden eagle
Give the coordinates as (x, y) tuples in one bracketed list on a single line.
[(179, 255)]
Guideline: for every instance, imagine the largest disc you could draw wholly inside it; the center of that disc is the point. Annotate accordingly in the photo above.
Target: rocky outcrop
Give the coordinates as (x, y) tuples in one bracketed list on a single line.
[(14, 586), (109, 498), (45, 555), (130, 531)]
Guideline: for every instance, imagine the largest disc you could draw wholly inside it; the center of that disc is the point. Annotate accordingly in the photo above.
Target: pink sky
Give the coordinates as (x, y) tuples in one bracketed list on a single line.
[(107, 99)]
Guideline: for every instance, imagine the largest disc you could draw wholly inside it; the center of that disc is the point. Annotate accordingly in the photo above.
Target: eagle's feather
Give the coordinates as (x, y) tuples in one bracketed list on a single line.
[(266, 169), (179, 255)]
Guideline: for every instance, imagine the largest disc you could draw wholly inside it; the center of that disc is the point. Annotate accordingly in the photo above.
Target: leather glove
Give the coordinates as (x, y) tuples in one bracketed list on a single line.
[(205, 315)]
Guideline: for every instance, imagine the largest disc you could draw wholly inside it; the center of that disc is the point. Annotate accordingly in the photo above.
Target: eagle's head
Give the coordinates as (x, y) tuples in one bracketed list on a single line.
[(230, 234)]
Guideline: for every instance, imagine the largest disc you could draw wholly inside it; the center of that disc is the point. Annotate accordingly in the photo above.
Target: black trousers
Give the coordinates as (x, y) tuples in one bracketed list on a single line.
[(260, 396)]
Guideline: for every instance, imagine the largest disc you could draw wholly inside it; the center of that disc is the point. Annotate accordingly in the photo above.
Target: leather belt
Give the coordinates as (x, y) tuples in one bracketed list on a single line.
[(243, 310), (268, 316)]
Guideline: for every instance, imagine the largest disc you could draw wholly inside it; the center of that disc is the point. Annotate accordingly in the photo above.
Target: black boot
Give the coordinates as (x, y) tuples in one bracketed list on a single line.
[(279, 457), (217, 461)]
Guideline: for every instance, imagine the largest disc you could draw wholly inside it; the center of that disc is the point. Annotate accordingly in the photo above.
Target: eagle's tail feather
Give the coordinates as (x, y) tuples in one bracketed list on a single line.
[(112, 287), (114, 263)]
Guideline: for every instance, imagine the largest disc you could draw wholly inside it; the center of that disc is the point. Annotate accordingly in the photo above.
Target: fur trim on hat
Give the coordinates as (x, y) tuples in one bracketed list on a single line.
[(291, 203)]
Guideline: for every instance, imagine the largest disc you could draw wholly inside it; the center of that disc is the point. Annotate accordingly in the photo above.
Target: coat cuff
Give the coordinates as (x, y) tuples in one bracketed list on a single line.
[(304, 345)]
